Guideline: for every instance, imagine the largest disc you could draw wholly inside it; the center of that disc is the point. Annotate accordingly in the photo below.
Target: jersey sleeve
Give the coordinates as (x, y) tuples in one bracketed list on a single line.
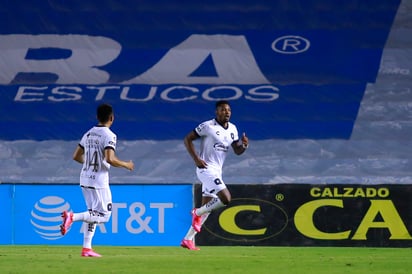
[(110, 141), (235, 134), (201, 129), (82, 142)]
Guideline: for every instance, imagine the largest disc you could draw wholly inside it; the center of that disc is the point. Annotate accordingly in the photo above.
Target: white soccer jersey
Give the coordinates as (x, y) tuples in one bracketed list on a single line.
[(216, 142), (95, 170)]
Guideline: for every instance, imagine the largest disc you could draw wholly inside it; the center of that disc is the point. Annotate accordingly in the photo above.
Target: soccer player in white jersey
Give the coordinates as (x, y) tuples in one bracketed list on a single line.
[(217, 136), (96, 151)]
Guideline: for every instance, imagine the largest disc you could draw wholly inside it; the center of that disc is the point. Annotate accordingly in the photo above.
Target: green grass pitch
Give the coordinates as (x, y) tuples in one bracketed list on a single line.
[(210, 259)]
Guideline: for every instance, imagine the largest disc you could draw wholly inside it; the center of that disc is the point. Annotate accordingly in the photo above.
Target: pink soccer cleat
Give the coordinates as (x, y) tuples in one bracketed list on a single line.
[(88, 252), (189, 244), (196, 221), (67, 222)]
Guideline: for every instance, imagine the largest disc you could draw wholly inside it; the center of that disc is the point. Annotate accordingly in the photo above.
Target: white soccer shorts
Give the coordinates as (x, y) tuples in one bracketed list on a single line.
[(211, 180), (98, 199)]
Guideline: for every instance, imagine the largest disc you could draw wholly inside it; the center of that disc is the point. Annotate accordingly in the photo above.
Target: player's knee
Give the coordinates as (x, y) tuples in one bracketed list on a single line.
[(98, 217), (226, 199), (224, 196), (106, 217)]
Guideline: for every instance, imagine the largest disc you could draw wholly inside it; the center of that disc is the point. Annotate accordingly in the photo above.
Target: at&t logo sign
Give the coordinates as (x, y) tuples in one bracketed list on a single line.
[(46, 216)]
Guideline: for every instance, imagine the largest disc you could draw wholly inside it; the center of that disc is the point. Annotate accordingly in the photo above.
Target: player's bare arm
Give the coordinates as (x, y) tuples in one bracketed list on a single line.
[(188, 141), (240, 146), (112, 159), (78, 154)]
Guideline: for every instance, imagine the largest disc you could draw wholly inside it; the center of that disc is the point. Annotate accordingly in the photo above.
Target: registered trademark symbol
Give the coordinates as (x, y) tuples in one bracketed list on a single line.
[(279, 197), (290, 44)]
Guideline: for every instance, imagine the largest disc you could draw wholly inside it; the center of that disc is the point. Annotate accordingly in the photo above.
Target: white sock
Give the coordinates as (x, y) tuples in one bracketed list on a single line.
[(83, 216), (88, 235), (204, 217), (213, 204), (191, 233), (89, 217)]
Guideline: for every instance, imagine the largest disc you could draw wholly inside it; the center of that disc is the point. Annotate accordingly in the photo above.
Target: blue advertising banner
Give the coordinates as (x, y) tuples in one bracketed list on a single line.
[(142, 215), (291, 69), (258, 215)]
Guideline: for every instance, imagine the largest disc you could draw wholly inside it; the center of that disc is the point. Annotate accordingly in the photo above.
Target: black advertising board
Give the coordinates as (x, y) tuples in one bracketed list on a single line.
[(312, 215)]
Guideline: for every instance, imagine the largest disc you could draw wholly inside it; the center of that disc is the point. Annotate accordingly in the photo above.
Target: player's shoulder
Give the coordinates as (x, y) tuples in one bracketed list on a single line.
[(232, 125), (88, 133), (108, 132), (204, 127), (104, 132), (207, 123)]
